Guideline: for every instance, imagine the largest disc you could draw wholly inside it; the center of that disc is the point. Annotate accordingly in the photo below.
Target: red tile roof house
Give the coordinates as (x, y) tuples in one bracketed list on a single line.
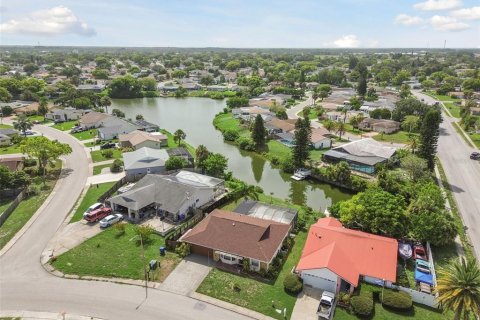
[(336, 258), (230, 237)]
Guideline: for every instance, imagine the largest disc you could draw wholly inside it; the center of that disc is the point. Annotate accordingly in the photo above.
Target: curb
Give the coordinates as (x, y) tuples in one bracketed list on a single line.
[(43, 315), (229, 306)]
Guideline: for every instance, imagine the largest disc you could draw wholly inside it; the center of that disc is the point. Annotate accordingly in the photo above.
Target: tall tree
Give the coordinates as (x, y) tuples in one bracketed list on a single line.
[(23, 124), (258, 132), (362, 85), (44, 150), (429, 136), (105, 102), (215, 165), (302, 143), (178, 136), (201, 155), (43, 107), (458, 288)]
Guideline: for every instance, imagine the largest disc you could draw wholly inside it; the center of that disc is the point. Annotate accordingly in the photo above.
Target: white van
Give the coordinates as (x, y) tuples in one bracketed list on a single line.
[(93, 207)]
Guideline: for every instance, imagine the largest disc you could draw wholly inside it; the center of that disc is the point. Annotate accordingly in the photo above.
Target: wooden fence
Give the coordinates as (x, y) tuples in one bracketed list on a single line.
[(5, 214)]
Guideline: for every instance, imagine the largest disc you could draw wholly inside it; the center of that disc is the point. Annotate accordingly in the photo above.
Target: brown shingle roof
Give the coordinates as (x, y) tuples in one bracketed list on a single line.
[(92, 118), (281, 124), (238, 234), (136, 137)]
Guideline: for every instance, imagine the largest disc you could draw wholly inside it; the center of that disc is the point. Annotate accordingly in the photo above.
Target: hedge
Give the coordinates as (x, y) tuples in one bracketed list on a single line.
[(398, 300), (362, 305), (292, 284)]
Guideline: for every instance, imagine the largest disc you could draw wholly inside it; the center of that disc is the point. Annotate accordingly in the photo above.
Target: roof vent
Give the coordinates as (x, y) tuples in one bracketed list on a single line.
[(233, 224)]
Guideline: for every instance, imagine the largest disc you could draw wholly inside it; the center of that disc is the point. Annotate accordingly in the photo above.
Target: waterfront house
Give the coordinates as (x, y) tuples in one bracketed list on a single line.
[(66, 114), (138, 139), (144, 161)]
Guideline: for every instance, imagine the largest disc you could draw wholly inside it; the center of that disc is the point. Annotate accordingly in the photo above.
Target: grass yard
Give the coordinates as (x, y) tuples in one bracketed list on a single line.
[(85, 135), (476, 139), (64, 126), (226, 121), (90, 198), (278, 149), (5, 203), (441, 97), (397, 137), (460, 132), (172, 144), (5, 126), (10, 149), (98, 169), (380, 313), (453, 108), (98, 156), (109, 254), (27, 208)]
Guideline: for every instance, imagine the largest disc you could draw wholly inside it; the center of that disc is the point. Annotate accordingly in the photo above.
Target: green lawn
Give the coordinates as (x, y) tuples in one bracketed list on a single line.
[(97, 155), (85, 135), (26, 209), (10, 149), (172, 144), (111, 255), (226, 121), (90, 198), (476, 139), (64, 126), (453, 108), (441, 97), (98, 169), (461, 134), (278, 149), (397, 137), (5, 203), (5, 126), (419, 312)]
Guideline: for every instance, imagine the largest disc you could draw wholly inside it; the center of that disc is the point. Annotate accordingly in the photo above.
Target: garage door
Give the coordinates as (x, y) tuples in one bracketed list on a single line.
[(319, 283)]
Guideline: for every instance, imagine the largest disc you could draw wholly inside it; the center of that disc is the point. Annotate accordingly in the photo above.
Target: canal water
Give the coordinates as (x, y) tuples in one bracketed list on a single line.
[(195, 115)]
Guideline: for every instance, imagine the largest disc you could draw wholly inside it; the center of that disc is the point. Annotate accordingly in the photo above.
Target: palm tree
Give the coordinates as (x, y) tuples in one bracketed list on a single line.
[(248, 192), (178, 136), (23, 124), (42, 107), (413, 142), (201, 154), (340, 127), (105, 102), (329, 125), (458, 288)]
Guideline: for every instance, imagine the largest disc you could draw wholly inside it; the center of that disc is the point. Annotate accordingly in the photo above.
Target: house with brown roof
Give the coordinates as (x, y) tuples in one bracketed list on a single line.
[(138, 139), (321, 138), (13, 162), (93, 119), (230, 238), (276, 125), (379, 125)]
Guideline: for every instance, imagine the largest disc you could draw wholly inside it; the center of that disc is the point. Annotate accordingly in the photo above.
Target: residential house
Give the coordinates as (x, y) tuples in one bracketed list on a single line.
[(144, 161), (379, 125), (93, 119), (182, 153), (138, 139), (267, 211), (231, 238), (13, 162), (321, 138), (475, 111), (9, 132), (170, 196), (361, 155), (276, 125), (335, 258), (249, 113), (5, 140), (66, 114), (146, 126), (91, 87), (113, 127)]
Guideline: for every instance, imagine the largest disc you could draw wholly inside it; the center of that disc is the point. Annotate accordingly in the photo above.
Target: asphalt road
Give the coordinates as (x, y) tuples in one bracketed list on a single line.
[(462, 173), (25, 285)]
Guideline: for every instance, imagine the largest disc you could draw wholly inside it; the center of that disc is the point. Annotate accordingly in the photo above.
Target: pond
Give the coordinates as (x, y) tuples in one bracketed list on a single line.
[(195, 115)]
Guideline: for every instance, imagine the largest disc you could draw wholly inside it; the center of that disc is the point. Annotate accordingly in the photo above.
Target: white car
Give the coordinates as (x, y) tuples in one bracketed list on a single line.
[(325, 308), (93, 207), (110, 220)]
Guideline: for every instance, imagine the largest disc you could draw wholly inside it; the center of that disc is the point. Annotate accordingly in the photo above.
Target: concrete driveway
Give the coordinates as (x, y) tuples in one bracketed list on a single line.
[(306, 305), (187, 276), (69, 237)]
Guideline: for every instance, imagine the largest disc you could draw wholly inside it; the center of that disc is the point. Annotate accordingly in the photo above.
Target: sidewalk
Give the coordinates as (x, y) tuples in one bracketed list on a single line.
[(229, 306), (33, 315), (107, 177)]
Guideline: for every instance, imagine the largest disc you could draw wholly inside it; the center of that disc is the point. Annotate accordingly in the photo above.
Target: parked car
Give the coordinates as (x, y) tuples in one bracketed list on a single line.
[(422, 266), (93, 207), (98, 214), (110, 220), (77, 129), (325, 308), (475, 156), (107, 145), (29, 133), (419, 252)]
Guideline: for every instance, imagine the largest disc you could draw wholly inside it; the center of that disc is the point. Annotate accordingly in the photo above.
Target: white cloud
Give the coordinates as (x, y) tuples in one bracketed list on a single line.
[(472, 13), (374, 44), (348, 41), (49, 22), (407, 20), (442, 23), (433, 5)]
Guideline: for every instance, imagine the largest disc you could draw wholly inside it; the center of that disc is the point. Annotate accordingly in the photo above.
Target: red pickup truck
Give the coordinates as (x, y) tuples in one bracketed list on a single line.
[(98, 214)]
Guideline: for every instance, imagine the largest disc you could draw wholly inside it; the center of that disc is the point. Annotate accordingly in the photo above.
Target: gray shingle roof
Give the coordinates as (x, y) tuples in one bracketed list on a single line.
[(144, 158)]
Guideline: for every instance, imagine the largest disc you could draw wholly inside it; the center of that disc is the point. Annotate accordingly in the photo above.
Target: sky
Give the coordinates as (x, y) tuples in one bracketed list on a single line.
[(242, 23)]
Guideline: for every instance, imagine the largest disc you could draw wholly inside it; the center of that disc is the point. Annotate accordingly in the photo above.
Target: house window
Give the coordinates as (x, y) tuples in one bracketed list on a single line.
[(255, 264)]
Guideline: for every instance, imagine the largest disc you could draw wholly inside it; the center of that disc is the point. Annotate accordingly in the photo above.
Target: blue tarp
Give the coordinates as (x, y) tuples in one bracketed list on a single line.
[(423, 277)]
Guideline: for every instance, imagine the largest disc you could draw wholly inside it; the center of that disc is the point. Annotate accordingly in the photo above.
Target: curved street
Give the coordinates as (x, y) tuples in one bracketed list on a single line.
[(462, 173), (26, 285)]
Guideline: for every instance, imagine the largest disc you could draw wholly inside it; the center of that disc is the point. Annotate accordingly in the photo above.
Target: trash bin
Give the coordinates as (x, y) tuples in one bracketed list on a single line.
[(153, 264), (162, 251)]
